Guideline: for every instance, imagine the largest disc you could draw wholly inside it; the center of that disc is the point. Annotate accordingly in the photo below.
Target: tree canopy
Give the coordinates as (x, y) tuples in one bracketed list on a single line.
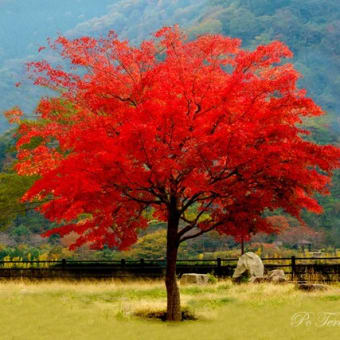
[(205, 134)]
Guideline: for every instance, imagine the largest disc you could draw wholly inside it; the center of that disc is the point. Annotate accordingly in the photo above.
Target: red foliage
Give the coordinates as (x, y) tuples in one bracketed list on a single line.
[(13, 115), (173, 125)]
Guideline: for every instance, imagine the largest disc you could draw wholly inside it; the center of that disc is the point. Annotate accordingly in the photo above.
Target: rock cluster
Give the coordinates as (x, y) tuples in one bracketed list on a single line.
[(251, 264)]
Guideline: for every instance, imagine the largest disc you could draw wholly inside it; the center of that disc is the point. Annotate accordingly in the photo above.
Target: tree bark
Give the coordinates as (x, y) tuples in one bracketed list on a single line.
[(173, 296)]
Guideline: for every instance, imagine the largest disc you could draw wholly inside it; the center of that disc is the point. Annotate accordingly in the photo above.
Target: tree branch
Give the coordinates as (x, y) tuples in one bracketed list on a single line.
[(201, 232), (190, 202)]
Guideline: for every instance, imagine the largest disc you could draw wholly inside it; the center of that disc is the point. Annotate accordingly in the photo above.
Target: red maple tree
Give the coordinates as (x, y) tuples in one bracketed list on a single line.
[(202, 133)]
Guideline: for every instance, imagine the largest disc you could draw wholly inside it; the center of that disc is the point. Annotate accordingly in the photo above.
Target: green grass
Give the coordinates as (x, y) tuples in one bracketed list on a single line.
[(105, 310)]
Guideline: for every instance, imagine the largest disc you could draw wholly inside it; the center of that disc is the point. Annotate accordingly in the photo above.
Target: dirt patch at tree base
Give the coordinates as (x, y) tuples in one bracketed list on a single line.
[(161, 315)]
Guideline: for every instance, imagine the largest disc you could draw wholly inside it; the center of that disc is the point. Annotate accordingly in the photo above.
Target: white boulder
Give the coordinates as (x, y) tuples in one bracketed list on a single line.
[(249, 262)]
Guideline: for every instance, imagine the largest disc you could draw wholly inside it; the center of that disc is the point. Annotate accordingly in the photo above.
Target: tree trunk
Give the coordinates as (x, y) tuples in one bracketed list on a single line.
[(242, 246), (173, 297)]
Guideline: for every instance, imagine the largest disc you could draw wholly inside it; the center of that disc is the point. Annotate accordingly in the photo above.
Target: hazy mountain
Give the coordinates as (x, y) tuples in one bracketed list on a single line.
[(26, 25), (311, 28)]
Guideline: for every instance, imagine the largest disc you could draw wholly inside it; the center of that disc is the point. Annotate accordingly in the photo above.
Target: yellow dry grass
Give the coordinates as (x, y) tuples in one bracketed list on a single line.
[(105, 310)]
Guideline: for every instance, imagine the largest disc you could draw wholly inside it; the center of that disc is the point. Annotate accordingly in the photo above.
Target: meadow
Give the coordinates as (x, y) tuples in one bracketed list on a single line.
[(107, 310)]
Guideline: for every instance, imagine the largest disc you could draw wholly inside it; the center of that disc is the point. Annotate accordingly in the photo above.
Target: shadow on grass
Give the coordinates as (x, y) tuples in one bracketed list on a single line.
[(187, 315)]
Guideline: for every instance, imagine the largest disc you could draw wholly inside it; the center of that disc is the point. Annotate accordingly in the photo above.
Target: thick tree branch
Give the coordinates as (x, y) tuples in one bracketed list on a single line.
[(193, 224), (201, 232), (185, 238), (190, 202)]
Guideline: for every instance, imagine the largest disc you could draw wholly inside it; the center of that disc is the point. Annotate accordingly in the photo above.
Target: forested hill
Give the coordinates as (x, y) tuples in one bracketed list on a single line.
[(311, 29)]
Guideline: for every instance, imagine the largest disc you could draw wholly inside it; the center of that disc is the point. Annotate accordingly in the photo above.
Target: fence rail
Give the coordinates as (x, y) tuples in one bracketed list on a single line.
[(325, 269)]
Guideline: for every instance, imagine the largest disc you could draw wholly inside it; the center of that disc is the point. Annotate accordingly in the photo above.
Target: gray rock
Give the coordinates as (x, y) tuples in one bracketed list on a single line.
[(258, 279), (278, 279), (193, 278), (251, 263), (309, 287), (277, 276), (276, 272)]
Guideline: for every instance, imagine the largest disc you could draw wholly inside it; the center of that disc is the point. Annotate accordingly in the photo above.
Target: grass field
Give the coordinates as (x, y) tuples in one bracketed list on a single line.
[(105, 310)]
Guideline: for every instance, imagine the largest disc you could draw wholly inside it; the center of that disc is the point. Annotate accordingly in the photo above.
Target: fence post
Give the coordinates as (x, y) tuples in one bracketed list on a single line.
[(293, 266), (63, 263), (142, 263), (219, 264), (122, 262)]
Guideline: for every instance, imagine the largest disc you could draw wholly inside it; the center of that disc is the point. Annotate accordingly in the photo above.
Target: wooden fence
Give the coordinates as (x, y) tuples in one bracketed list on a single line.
[(297, 268)]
